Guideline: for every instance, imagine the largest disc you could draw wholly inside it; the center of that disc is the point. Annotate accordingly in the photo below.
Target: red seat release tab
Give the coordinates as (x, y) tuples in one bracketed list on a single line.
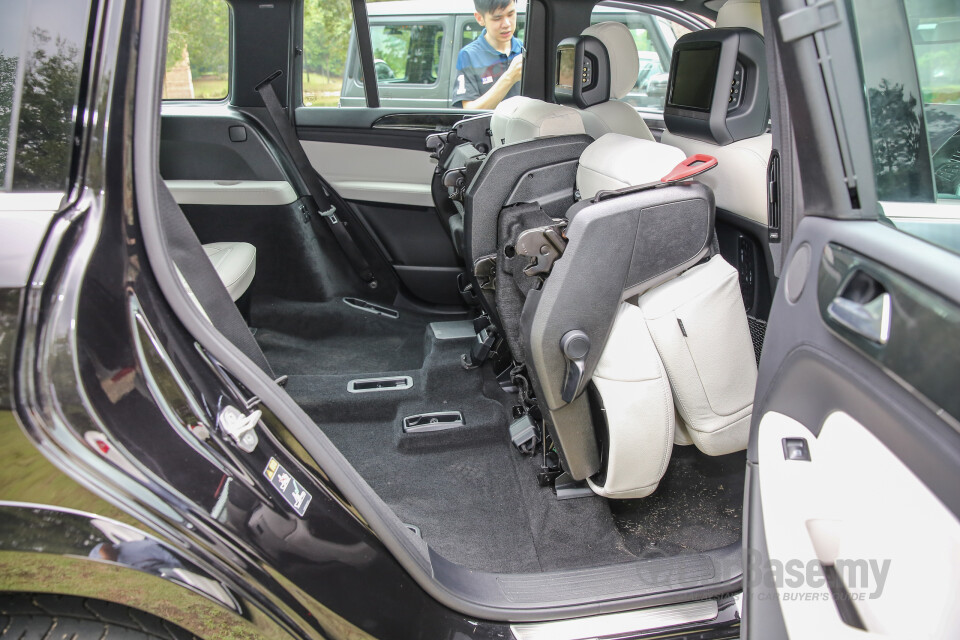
[(692, 166)]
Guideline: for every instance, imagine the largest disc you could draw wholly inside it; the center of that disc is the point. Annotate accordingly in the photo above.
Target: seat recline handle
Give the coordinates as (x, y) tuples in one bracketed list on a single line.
[(575, 346)]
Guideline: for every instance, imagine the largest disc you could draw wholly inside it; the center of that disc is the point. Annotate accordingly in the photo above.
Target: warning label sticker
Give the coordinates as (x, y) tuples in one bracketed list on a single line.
[(291, 490)]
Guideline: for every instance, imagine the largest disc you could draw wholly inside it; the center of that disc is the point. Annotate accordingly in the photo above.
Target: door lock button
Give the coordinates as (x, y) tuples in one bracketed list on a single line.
[(796, 449)]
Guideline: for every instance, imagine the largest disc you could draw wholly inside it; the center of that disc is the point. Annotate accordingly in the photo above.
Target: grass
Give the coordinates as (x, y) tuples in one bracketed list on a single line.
[(318, 90), (27, 476)]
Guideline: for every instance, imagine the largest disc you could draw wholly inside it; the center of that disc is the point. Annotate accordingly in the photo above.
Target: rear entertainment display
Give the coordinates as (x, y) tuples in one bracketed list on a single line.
[(566, 61), (694, 78)]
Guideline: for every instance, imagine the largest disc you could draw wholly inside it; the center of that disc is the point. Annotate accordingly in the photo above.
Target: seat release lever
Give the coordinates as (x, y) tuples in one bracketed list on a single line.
[(575, 345)]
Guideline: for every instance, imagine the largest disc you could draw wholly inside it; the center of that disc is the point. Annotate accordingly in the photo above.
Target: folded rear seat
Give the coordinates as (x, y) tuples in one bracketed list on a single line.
[(655, 319), (235, 263)]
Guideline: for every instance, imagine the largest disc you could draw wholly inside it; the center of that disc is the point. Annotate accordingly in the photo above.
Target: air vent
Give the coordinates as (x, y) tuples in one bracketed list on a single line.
[(372, 307), (773, 196), (368, 385)]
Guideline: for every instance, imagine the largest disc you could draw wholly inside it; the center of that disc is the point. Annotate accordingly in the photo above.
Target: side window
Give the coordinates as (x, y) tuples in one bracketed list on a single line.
[(654, 37), (416, 49), (406, 54), (329, 41), (908, 58), (198, 51), (40, 67)]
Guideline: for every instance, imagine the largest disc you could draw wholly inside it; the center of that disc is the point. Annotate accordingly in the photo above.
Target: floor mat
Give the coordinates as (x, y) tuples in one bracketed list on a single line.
[(697, 507), (332, 337)]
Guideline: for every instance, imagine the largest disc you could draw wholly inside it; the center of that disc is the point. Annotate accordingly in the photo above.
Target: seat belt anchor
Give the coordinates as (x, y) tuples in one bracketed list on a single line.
[(330, 214)]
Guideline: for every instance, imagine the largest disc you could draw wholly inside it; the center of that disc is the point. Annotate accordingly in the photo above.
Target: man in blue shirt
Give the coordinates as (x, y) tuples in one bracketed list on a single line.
[(490, 67)]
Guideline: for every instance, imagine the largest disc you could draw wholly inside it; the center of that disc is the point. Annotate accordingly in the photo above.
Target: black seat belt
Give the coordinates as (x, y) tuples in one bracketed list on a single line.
[(198, 271), (288, 136)]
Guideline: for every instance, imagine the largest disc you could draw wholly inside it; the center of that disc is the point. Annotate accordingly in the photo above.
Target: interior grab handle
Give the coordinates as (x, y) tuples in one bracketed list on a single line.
[(872, 319)]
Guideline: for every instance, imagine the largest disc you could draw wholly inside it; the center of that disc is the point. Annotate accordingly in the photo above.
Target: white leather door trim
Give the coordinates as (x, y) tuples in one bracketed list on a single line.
[(232, 192), (374, 174), (856, 506)]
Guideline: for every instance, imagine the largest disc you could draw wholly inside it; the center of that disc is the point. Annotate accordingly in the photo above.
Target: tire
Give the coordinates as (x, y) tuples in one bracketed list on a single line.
[(29, 617)]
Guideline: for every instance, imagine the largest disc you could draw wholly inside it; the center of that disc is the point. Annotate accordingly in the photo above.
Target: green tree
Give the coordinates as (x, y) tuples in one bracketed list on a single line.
[(202, 27), (8, 77), (45, 125), (895, 133), (326, 34)]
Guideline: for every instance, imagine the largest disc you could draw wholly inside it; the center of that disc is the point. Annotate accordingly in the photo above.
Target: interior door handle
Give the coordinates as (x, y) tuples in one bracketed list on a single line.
[(871, 319)]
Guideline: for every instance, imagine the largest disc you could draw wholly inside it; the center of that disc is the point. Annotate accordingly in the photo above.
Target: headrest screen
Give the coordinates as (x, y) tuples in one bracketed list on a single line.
[(717, 91), (695, 79), (566, 62), (583, 72)]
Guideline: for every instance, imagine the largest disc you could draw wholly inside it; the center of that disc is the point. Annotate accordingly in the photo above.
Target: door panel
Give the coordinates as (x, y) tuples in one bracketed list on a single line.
[(381, 166), (373, 173), (882, 439), (828, 512)]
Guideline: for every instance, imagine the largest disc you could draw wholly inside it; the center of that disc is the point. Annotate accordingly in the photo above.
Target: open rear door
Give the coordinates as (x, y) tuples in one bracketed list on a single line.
[(853, 479)]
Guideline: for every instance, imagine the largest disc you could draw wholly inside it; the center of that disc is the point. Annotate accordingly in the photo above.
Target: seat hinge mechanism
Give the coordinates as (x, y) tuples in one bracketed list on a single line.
[(485, 270), (544, 245)]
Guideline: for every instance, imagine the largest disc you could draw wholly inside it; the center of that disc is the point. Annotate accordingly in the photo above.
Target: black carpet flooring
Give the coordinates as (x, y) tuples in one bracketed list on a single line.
[(473, 496), (697, 507), (331, 337)]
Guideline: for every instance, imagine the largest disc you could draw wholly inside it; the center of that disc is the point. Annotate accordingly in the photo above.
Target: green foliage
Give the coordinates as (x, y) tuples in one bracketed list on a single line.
[(896, 142), (326, 34), (8, 77), (203, 28), (45, 130)]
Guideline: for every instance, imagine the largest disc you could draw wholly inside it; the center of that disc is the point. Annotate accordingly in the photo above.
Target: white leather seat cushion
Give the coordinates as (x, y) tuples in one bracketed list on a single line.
[(712, 370), (741, 13), (520, 118), (739, 181), (616, 161), (235, 263), (639, 407)]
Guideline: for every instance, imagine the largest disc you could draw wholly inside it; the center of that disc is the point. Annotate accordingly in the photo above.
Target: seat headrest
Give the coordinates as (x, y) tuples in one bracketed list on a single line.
[(622, 52), (615, 161), (520, 118), (741, 13)]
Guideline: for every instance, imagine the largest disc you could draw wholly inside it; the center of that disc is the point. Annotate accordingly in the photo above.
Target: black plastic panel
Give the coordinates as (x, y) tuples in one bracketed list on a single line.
[(489, 191), (930, 365), (196, 144)]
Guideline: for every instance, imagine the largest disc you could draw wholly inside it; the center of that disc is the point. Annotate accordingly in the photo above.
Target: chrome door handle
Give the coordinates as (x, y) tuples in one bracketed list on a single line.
[(872, 319)]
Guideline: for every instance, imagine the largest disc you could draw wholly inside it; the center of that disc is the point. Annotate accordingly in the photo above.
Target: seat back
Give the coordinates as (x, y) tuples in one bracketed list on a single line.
[(520, 118), (659, 321)]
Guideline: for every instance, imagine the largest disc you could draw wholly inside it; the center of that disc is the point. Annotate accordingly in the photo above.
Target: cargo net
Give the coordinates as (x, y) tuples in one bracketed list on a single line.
[(758, 328)]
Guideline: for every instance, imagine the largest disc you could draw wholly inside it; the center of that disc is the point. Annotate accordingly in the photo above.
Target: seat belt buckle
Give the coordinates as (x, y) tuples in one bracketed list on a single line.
[(330, 214)]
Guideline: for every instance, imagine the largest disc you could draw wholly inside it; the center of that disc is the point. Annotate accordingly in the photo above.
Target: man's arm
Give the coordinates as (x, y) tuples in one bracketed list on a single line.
[(500, 88)]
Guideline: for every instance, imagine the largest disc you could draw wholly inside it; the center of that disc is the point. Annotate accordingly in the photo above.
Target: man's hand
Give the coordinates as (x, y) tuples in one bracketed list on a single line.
[(501, 87), (515, 71)]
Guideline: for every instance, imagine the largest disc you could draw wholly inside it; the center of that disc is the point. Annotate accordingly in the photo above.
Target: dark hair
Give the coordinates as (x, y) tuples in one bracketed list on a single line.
[(484, 7)]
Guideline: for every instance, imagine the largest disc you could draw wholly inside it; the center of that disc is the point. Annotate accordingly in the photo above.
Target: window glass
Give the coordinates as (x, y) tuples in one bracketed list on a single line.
[(198, 51), (908, 54), (329, 41), (420, 56), (406, 53), (654, 37), (41, 49)]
